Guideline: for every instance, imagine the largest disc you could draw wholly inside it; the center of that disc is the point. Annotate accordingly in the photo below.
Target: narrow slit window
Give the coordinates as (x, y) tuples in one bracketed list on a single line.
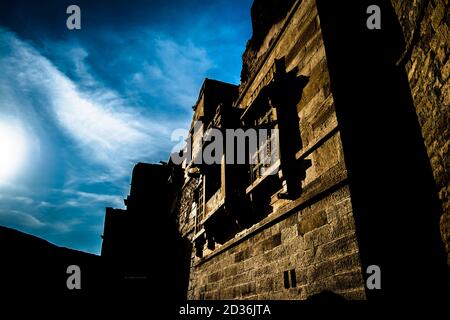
[(286, 280), (293, 278)]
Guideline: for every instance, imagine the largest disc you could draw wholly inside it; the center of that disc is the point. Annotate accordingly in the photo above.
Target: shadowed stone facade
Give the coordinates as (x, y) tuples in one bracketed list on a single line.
[(336, 204), (310, 235), (358, 173), (425, 25)]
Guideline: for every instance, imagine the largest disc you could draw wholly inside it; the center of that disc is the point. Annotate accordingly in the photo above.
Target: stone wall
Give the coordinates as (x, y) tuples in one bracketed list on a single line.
[(318, 242), (425, 25), (308, 244), (185, 222)]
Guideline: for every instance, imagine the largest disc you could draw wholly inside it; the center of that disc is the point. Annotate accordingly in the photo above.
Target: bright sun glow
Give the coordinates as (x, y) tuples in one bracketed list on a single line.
[(13, 147)]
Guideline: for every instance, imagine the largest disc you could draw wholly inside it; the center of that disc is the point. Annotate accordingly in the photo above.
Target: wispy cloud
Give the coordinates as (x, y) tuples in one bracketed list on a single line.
[(102, 136), (102, 133), (23, 219), (19, 218), (176, 70), (87, 199), (103, 130), (95, 112)]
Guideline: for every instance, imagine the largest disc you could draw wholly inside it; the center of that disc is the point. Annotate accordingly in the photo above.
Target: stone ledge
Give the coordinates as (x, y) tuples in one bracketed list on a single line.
[(333, 179)]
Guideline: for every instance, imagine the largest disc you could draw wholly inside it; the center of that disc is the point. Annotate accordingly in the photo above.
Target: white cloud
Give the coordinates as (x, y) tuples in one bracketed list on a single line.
[(103, 134), (88, 199), (65, 226), (176, 72), (104, 130), (16, 217), (25, 200)]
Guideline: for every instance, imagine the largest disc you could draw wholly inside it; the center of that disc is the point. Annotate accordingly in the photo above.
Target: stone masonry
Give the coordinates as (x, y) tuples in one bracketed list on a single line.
[(334, 205), (356, 123), (306, 244), (425, 25)]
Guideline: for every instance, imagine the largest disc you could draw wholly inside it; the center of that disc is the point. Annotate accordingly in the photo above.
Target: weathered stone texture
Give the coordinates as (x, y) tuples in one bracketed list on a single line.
[(185, 223), (314, 235), (318, 242), (425, 25)]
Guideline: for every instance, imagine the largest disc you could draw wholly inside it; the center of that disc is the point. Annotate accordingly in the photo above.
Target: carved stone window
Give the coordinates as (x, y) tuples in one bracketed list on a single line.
[(266, 154), (199, 207)]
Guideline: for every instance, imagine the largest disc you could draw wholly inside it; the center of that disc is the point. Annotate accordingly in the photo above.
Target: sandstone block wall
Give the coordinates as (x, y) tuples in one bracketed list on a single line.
[(425, 25), (308, 244), (315, 246)]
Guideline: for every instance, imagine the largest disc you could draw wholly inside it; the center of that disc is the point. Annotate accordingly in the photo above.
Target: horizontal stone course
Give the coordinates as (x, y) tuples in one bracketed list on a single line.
[(428, 74), (313, 235)]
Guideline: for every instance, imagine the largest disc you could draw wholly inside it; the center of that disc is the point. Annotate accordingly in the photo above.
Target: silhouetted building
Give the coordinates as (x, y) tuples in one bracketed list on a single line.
[(141, 247)]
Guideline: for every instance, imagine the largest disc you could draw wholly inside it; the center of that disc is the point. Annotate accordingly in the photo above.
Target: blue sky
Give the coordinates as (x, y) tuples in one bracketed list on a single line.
[(83, 106)]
